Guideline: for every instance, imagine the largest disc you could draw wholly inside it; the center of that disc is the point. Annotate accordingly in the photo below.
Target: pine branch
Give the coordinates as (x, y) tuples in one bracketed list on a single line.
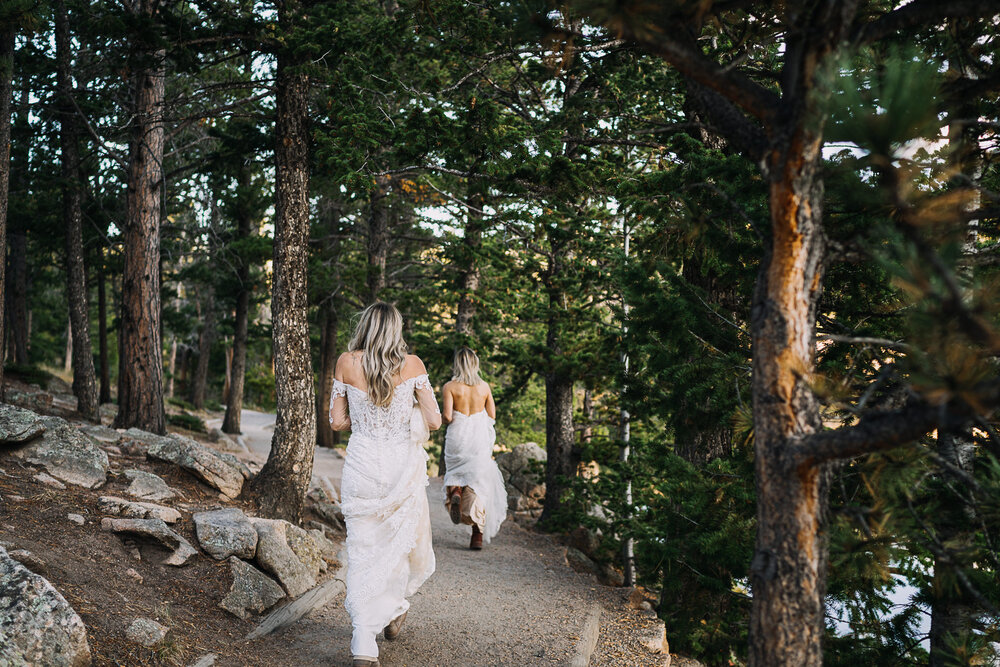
[(920, 14)]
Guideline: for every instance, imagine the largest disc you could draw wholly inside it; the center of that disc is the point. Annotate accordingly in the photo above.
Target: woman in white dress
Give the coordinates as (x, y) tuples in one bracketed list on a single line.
[(389, 552), (475, 493)]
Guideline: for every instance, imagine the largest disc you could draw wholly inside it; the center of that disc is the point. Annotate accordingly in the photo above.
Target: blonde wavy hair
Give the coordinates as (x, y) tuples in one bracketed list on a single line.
[(466, 367), (379, 337)]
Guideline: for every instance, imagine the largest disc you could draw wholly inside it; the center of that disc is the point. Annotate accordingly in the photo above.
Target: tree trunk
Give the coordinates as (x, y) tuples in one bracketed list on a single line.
[(6, 94), (280, 487), (329, 325), (244, 223), (102, 332), (377, 239), (789, 565), (140, 371), (559, 441), (68, 357), (468, 282), (205, 342), (84, 376)]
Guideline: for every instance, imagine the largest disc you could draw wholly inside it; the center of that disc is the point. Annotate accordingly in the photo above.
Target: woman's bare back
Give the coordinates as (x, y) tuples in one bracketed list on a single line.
[(467, 399)]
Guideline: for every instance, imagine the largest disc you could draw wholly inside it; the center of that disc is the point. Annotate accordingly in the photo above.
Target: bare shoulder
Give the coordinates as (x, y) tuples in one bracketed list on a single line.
[(413, 366)]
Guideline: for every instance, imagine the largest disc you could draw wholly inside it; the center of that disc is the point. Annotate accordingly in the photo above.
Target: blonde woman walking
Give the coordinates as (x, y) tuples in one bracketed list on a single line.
[(389, 552), (475, 491)]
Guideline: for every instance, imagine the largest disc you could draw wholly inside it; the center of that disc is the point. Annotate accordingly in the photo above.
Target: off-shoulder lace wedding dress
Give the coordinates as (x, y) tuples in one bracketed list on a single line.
[(389, 552), (468, 457)]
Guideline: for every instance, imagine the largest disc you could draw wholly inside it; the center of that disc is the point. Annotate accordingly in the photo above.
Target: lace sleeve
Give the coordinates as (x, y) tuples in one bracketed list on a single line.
[(424, 393), (339, 418)]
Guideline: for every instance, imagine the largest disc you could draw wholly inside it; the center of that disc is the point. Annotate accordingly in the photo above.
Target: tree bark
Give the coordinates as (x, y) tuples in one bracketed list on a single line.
[(329, 325), (17, 268), (205, 342), (84, 376), (6, 94), (140, 370), (244, 225), (102, 332), (377, 239), (468, 282), (789, 565), (280, 487)]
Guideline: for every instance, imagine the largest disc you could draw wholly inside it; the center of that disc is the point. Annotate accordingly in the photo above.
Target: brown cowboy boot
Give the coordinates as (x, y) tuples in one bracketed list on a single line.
[(477, 539), (365, 662), (455, 504), (392, 630)]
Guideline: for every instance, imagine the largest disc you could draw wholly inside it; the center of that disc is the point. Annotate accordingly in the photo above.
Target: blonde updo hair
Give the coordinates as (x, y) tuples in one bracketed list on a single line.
[(379, 337), (466, 368)]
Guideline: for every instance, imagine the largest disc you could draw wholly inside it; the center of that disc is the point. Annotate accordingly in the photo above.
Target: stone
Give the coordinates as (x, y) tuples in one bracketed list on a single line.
[(330, 513), (33, 400), (207, 660), (147, 632), (49, 480), (77, 519), (328, 550), (132, 574), (67, 454), (585, 540), (157, 530), (654, 638), (579, 561), (28, 559), (18, 425), (148, 486), (524, 476), (275, 555), (305, 548), (610, 576), (251, 590), (137, 510), (102, 434), (226, 532), (210, 467), (37, 625), (224, 441)]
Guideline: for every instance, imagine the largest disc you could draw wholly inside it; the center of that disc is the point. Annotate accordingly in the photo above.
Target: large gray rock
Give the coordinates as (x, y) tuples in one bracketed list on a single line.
[(67, 454), (217, 469), (148, 486), (224, 441), (306, 549), (275, 555), (251, 591), (147, 632), (18, 425), (226, 532), (102, 434), (37, 625), (157, 530), (523, 471), (137, 510)]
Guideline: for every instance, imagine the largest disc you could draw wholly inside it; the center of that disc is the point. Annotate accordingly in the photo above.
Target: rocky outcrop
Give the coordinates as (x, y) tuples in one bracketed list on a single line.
[(137, 510), (148, 486), (275, 555), (156, 530), (217, 469), (147, 632), (251, 591), (37, 625), (226, 532), (66, 453), (523, 471), (18, 426)]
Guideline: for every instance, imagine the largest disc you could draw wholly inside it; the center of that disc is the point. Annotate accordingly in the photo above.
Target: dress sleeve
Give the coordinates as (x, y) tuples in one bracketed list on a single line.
[(339, 418), (428, 404)]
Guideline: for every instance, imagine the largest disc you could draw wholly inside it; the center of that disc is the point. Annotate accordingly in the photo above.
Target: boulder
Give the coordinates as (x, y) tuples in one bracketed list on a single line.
[(148, 486), (147, 632), (585, 540), (523, 471), (18, 426), (156, 530), (49, 480), (137, 510), (67, 454), (275, 555), (37, 625), (226, 532), (330, 513), (305, 547), (224, 441), (217, 469), (327, 549), (102, 434), (27, 559), (251, 591), (579, 561)]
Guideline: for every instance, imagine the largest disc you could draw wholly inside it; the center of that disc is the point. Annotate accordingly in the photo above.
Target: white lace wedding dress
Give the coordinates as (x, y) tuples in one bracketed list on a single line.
[(468, 458), (389, 552)]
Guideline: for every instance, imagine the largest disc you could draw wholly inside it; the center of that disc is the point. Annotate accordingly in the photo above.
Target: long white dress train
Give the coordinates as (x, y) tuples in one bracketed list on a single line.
[(468, 458), (389, 552)]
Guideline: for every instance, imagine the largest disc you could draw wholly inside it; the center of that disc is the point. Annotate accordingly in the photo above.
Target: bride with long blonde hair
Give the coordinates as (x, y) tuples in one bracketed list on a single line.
[(375, 390)]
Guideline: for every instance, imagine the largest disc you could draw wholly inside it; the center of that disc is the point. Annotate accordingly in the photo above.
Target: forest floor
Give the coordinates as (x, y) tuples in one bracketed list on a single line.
[(515, 603)]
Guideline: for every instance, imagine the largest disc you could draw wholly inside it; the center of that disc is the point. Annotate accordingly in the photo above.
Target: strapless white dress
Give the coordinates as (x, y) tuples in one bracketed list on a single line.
[(468, 457), (383, 498)]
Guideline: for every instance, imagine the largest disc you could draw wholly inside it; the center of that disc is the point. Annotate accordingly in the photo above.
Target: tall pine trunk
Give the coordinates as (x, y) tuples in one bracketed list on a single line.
[(788, 572), (19, 320), (329, 326), (102, 332), (84, 376), (238, 369), (377, 239), (205, 342), (6, 94), (140, 369), (280, 487)]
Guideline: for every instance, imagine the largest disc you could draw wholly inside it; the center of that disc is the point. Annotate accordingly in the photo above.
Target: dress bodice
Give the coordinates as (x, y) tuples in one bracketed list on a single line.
[(391, 423)]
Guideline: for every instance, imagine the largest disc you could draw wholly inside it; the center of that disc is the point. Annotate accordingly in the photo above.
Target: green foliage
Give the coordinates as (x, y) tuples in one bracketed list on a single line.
[(189, 422)]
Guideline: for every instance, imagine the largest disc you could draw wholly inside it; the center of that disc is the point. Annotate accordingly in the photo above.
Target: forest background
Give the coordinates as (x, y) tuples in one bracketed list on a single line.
[(733, 264)]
